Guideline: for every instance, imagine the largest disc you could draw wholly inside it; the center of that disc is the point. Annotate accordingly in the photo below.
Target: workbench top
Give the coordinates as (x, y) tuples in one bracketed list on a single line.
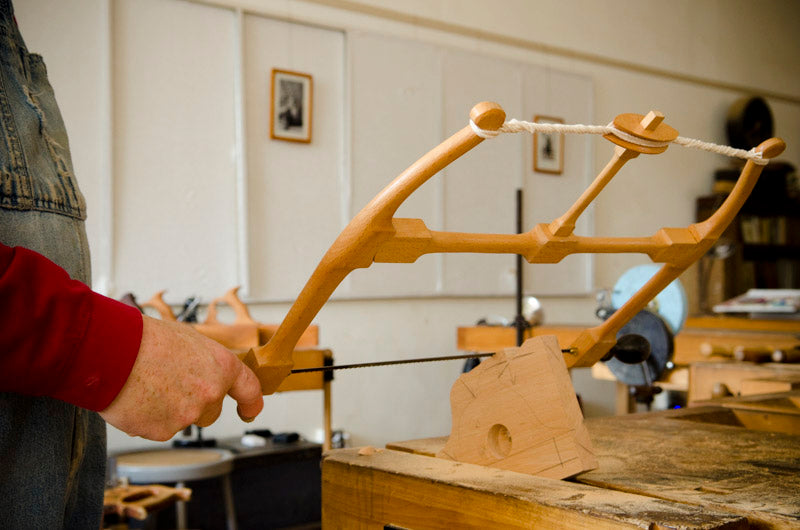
[(678, 455), (737, 477)]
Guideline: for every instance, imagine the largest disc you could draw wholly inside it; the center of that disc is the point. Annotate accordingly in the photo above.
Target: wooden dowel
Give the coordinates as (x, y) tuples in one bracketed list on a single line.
[(565, 225), (786, 355), (753, 354)]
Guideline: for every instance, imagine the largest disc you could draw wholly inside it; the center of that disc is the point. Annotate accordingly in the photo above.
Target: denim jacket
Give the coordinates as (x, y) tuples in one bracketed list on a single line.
[(52, 454)]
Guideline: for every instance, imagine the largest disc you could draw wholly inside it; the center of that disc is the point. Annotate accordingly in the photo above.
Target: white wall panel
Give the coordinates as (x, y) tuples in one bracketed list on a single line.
[(396, 118), (480, 187), (569, 97), (173, 144), (294, 189), (410, 96)]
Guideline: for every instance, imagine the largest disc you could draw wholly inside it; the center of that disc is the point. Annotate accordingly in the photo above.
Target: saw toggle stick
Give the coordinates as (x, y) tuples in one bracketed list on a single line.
[(374, 235)]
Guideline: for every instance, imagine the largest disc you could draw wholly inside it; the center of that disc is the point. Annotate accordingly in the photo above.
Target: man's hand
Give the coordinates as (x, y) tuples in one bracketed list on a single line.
[(180, 378)]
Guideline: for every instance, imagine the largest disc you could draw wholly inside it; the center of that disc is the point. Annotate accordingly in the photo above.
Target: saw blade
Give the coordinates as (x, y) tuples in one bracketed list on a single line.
[(397, 361), (389, 363)]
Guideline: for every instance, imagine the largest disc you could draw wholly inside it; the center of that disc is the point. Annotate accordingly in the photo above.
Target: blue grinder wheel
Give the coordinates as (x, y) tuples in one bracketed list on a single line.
[(670, 304)]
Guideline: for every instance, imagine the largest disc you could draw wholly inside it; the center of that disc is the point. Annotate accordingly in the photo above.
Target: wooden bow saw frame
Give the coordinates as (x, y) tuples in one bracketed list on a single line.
[(374, 235)]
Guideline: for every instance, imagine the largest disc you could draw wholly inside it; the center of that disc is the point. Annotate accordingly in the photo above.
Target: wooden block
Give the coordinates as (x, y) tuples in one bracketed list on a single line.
[(518, 411), (412, 491)]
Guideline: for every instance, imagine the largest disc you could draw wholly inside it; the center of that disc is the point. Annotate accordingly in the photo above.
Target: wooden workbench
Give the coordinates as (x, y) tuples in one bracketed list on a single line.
[(690, 468)]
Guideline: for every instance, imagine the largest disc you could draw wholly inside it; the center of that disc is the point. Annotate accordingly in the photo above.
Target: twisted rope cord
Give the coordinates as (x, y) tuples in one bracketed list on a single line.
[(517, 126)]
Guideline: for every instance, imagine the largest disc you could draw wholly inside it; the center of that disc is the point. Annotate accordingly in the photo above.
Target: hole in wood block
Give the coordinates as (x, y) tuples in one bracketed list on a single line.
[(499, 440)]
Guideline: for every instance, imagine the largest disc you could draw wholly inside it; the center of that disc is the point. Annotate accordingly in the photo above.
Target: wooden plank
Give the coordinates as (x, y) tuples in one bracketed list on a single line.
[(757, 420), (784, 402), (771, 413), (770, 385), (517, 410), (412, 491), (675, 379), (495, 338), (743, 324)]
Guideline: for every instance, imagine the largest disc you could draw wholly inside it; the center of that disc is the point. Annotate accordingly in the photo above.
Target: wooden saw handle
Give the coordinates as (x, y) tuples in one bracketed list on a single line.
[(374, 235)]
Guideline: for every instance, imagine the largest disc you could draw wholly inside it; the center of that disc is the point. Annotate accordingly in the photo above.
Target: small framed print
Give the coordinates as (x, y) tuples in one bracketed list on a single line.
[(548, 148), (290, 109)]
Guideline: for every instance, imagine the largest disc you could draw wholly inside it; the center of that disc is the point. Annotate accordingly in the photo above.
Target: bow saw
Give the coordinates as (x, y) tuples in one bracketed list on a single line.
[(375, 235)]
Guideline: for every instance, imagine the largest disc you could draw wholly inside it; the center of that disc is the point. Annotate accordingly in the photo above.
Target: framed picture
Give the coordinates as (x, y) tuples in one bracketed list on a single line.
[(290, 109), (548, 148)]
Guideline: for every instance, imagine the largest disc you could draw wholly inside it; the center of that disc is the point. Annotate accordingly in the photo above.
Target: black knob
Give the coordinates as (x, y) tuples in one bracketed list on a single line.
[(631, 349)]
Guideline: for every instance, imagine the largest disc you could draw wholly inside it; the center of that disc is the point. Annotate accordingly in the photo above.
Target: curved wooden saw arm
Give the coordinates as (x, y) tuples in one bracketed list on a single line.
[(374, 235)]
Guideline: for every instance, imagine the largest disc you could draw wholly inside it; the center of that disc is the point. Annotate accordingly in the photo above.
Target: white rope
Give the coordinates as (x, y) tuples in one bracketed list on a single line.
[(483, 133), (726, 150), (517, 126)]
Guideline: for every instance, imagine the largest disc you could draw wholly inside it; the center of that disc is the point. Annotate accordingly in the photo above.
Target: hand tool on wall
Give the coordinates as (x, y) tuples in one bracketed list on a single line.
[(374, 235)]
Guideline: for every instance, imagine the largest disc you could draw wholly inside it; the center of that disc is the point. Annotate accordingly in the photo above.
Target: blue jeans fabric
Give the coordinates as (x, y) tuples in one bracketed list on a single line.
[(52, 454)]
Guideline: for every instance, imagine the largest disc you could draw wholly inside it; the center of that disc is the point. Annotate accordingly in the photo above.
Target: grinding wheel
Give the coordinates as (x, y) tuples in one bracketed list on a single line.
[(653, 328), (670, 304)]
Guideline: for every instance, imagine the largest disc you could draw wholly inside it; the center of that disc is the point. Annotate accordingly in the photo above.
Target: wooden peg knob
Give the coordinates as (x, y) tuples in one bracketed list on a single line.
[(652, 120), (488, 115), (771, 148)]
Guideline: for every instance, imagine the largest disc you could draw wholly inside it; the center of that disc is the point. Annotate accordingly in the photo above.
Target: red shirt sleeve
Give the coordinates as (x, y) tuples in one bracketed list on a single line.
[(58, 338)]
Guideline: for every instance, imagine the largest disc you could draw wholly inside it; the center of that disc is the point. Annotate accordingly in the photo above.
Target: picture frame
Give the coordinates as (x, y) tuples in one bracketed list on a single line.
[(548, 148), (291, 106)]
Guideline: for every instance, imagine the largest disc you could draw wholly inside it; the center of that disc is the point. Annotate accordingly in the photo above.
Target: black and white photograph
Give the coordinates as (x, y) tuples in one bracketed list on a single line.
[(548, 148), (290, 111)]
